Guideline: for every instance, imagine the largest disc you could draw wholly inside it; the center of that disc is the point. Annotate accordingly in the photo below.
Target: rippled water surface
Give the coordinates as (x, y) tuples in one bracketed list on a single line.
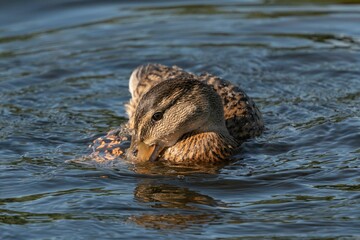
[(64, 69)]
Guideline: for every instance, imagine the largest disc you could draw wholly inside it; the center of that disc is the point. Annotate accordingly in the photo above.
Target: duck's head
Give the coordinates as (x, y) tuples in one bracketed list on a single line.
[(170, 110)]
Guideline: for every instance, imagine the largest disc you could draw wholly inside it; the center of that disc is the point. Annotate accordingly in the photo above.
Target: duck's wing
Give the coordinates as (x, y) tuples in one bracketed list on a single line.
[(243, 118), (111, 146), (144, 77)]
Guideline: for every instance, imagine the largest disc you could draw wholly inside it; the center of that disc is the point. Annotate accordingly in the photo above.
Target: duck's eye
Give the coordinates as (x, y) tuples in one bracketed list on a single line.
[(135, 152), (157, 116)]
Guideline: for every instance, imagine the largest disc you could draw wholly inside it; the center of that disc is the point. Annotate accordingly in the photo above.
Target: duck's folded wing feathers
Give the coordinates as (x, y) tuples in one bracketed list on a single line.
[(242, 117)]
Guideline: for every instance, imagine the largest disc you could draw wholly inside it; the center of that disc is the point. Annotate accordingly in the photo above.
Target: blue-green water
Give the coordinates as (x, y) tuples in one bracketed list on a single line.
[(64, 69)]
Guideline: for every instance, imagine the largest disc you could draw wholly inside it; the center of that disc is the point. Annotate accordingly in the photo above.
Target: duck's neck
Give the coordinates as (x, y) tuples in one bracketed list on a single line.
[(205, 147)]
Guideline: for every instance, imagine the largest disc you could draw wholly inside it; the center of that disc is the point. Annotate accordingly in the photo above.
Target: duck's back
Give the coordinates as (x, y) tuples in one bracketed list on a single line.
[(243, 119)]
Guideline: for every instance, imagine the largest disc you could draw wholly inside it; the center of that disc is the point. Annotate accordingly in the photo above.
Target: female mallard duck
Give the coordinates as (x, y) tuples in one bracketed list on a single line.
[(180, 117)]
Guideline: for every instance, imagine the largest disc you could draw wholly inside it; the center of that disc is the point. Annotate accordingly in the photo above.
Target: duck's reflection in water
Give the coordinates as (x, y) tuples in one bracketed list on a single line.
[(174, 206)]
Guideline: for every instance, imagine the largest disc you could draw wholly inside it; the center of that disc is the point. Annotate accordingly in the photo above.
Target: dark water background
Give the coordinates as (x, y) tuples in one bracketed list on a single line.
[(64, 68)]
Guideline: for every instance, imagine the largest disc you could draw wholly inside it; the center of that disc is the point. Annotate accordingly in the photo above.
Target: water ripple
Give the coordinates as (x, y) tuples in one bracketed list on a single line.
[(64, 69)]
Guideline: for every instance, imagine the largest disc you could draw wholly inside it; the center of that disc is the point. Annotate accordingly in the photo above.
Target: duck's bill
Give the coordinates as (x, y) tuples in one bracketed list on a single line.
[(148, 153)]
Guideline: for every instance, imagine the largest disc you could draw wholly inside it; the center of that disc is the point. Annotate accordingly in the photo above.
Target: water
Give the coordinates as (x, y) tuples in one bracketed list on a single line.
[(64, 69)]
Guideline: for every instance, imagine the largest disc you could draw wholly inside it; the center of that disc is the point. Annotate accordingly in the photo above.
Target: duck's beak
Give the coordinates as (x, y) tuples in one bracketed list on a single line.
[(148, 153)]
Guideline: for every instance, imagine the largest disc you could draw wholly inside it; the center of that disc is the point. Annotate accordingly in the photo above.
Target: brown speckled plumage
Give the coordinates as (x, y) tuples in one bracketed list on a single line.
[(242, 118), (215, 147)]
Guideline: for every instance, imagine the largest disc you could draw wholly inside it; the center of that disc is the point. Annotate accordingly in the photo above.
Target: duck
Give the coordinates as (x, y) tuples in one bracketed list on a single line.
[(179, 117)]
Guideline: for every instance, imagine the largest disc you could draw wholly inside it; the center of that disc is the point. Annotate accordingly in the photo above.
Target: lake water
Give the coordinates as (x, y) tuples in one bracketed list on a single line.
[(64, 69)]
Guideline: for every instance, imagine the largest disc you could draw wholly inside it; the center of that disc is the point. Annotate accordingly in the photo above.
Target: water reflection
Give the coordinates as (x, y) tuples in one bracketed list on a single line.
[(22, 218), (171, 196), (166, 169), (172, 221), (176, 207)]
